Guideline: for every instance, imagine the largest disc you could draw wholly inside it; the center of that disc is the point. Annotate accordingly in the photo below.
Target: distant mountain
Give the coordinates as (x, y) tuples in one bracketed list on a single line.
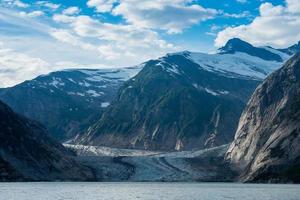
[(27, 153), (184, 101), (66, 102), (292, 49), (266, 145), (237, 45)]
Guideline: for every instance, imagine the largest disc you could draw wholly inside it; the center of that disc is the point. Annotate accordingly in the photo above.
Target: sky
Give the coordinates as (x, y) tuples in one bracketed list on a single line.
[(37, 37)]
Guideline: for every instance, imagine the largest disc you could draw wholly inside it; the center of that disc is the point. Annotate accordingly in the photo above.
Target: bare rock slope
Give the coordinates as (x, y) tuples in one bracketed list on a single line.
[(266, 145)]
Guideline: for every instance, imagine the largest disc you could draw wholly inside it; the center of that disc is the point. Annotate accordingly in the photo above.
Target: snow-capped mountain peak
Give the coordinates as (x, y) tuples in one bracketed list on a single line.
[(237, 45)]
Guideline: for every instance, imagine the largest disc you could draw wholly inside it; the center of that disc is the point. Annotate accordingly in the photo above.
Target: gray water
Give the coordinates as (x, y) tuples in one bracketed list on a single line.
[(147, 191)]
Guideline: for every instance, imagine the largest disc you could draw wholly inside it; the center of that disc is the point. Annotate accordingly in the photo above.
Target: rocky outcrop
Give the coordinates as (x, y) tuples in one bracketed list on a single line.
[(28, 154), (266, 145)]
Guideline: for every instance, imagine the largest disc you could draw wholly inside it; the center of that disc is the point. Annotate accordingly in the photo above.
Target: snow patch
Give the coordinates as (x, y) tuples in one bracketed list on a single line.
[(93, 93), (223, 92), (105, 104), (84, 83), (71, 80), (172, 69), (56, 82), (76, 93), (211, 92)]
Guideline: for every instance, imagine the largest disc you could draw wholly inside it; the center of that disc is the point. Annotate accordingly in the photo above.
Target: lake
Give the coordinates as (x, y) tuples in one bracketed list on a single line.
[(147, 191)]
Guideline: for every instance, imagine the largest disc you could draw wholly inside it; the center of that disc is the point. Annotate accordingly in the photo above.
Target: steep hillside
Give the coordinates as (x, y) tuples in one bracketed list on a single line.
[(27, 153), (266, 145)]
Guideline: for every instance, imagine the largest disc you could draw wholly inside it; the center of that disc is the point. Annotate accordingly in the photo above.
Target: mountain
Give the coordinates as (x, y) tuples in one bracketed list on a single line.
[(292, 49), (266, 145), (66, 102), (237, 45), (182, 101), (28, 154)]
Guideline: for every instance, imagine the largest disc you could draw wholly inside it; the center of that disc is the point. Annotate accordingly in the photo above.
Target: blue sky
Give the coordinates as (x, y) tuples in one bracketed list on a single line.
[(38, 37)]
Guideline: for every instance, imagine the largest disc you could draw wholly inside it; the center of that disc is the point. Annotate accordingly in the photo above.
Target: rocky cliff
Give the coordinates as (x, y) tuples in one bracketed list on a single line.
[(266, 145)]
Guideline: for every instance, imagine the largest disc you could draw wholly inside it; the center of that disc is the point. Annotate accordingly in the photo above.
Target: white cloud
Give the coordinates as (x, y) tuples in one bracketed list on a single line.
[(71, 11), (293, 6), (170, 15), (244, 14), (17, 3), (16, 67), (20, 4), (36, 13), (48, 4), (111, 41), (67, 37), (101, 5), (242, 1), (277, 26)]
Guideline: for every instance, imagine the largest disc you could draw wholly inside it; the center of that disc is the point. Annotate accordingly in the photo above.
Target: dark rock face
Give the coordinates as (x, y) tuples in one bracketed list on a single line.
[(66, 102), (238, 45), (266, 145), (28, 154), (173, 104)]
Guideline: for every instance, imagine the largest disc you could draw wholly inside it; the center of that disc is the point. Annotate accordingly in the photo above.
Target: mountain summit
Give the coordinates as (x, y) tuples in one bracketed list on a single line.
[(292, 49), (237, 45)]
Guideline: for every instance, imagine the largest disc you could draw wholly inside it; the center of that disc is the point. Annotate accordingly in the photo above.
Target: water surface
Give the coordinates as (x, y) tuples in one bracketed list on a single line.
[(147, 191)]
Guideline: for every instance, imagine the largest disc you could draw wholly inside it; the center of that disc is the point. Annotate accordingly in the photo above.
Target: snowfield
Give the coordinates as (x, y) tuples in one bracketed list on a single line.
[(232, 65)]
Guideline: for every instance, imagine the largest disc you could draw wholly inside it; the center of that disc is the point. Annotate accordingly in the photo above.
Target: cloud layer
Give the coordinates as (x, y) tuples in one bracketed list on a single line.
[(277, 26)]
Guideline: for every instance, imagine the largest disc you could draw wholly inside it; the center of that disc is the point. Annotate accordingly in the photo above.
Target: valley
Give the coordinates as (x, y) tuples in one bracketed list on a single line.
[(192, 117)]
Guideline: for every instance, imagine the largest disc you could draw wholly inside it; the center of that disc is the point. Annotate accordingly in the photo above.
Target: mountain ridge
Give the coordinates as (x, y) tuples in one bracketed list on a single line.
[(69, 101), (237, 45)]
